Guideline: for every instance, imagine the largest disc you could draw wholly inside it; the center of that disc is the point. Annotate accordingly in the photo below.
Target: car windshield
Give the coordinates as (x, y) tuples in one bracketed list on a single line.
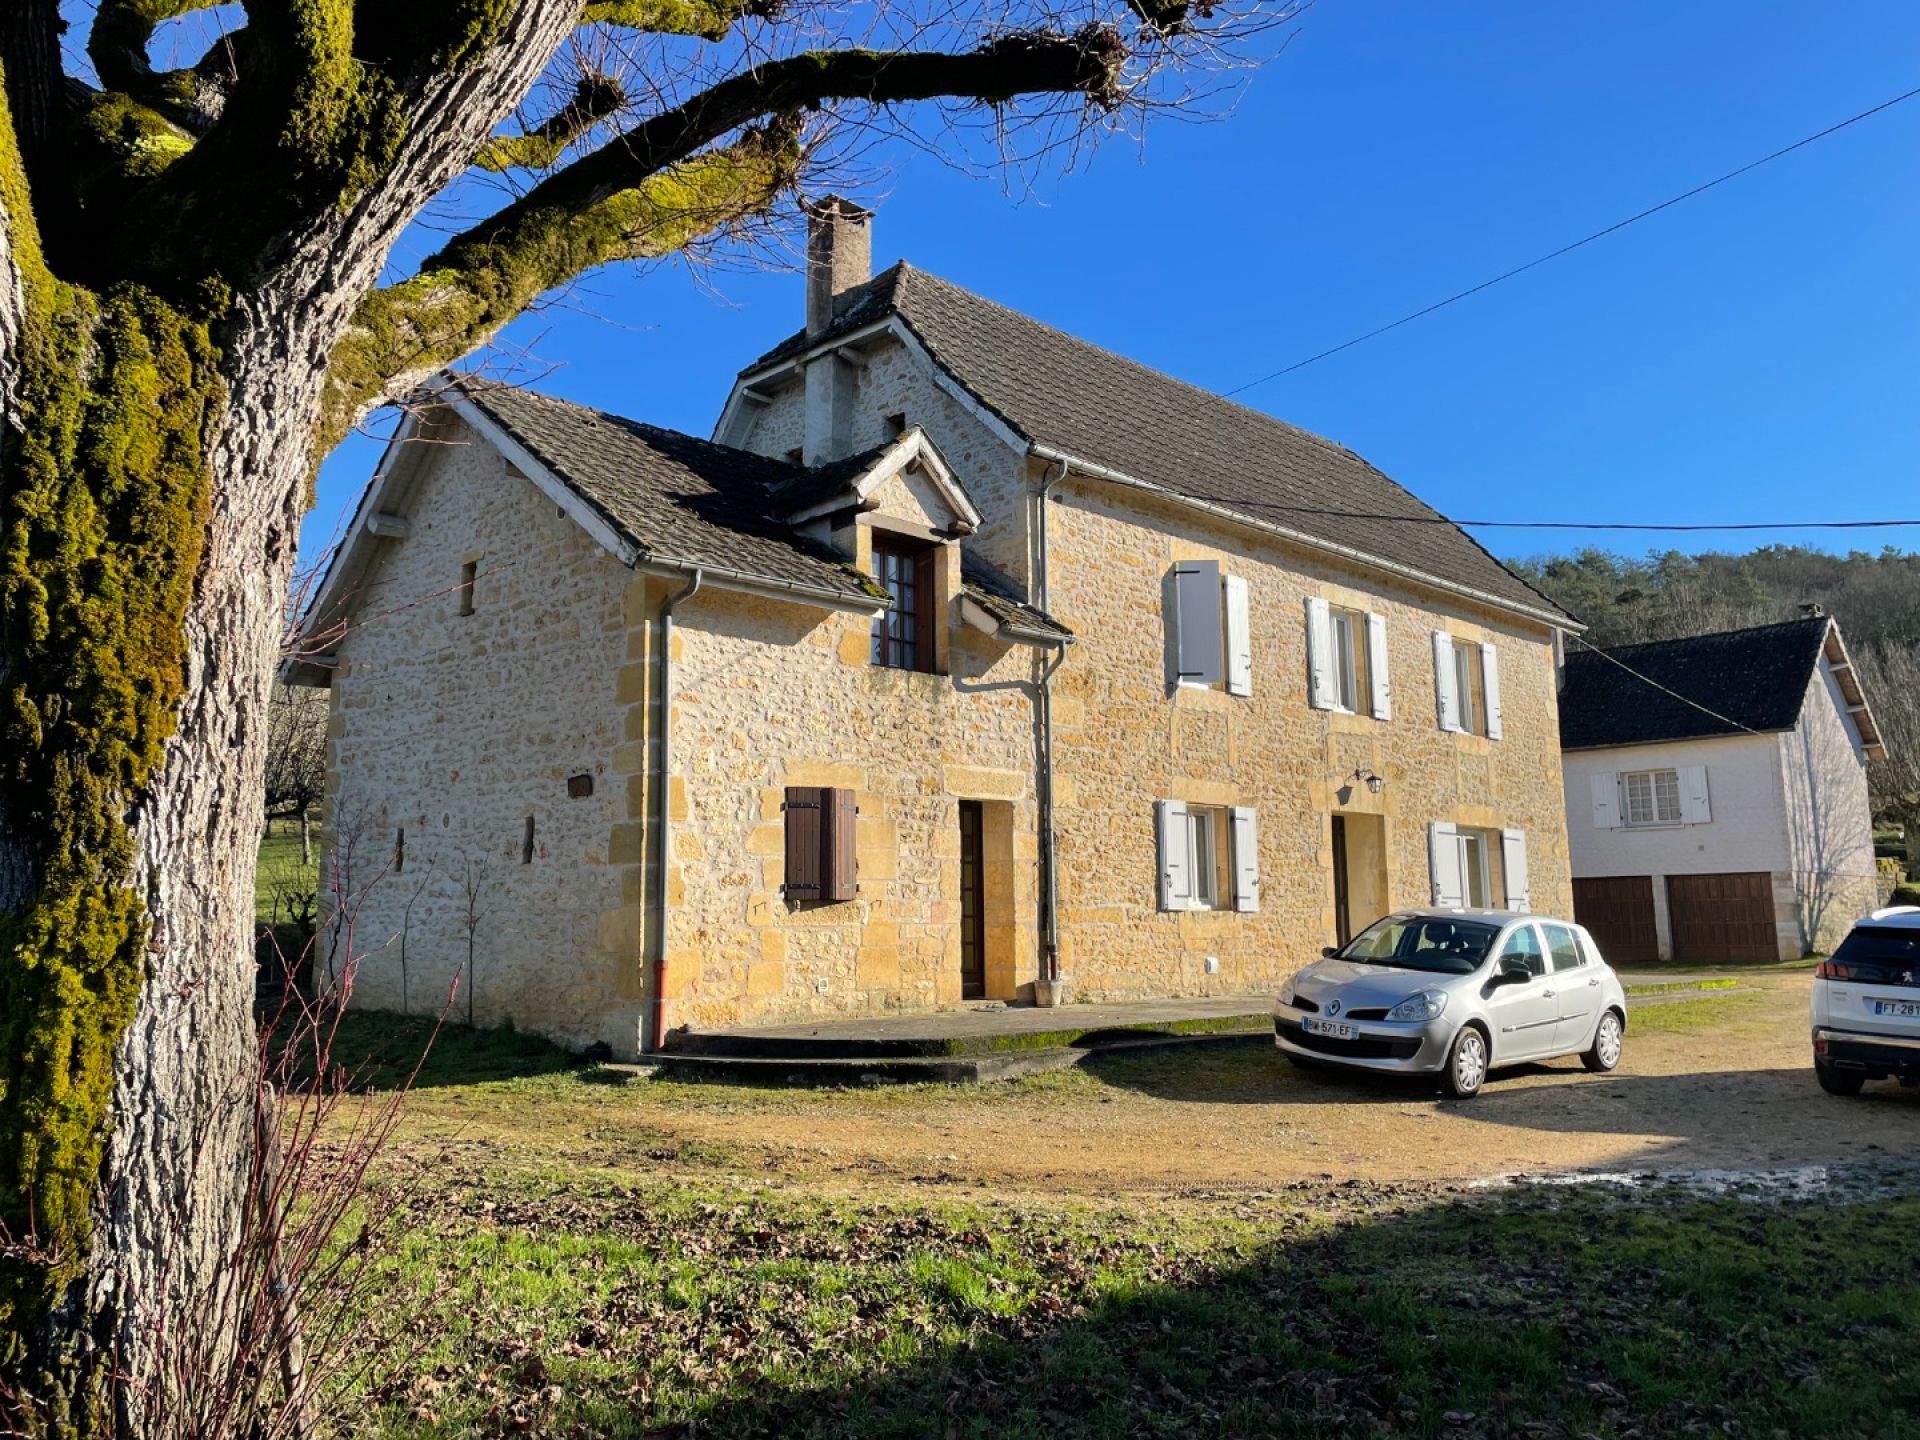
[(1445, 947)]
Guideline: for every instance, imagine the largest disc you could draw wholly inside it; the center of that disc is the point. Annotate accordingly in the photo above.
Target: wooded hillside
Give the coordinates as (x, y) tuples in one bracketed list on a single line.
[(1875, 597)]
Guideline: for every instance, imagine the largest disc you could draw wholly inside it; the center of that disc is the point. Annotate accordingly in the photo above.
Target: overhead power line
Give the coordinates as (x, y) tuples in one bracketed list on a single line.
[(1649, 680), (1334, 512), (1618, 225)]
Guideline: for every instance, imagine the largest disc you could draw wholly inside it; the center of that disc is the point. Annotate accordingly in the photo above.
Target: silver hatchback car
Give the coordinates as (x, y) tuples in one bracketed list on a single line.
[(1455, 993)]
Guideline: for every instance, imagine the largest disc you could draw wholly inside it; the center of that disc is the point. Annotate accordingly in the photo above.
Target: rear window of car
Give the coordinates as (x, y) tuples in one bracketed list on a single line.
[(1871, 954)]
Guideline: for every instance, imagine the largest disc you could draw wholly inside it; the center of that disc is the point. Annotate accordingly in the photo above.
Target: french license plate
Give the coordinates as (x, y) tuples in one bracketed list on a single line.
[(1904, 1009), (1336, 1029)]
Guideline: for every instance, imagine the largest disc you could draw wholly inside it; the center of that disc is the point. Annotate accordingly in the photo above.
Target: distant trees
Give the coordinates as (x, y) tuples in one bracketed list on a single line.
[(296, 768), (1874, 596)]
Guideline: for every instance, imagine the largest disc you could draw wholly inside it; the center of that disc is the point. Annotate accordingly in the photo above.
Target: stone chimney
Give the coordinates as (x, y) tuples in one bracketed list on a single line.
[(839, 257)]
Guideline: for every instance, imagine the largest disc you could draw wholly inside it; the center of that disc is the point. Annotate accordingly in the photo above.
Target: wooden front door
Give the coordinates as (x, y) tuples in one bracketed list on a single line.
[(1618, 910), (1342, 904), (1723, 917), (973, 907)]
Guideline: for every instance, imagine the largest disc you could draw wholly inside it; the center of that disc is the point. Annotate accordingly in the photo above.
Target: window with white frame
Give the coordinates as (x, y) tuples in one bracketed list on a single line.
[(1347, 660), (1474, 867), (1349, 657), (1652, 796), (1636, 799), (1209, 857), (1466, 683), (1209, 630)]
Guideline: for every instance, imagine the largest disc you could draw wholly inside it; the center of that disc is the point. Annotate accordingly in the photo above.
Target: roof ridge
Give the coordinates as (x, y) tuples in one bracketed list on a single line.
[(1214, 396), (1711, 634)]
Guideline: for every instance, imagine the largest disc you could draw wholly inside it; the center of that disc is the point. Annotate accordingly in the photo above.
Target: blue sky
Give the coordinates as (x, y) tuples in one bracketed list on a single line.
[(1750, 355)]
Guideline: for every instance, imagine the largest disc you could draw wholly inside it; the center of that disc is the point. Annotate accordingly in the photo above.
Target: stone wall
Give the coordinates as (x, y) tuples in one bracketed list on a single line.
[(768, 695), (457, 729), (1124, 740)]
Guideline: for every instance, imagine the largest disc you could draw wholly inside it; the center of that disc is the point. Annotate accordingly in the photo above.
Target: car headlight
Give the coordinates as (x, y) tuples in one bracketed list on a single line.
[(1426, 1005), (1286, 988)]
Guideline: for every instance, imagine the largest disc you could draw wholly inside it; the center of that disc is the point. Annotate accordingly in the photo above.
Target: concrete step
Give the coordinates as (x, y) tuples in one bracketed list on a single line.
[(858, 1070), (840, 1041)]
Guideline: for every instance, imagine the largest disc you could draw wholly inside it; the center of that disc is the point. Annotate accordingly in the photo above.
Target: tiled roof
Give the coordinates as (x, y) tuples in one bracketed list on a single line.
[(987, 592), (690, 501), (1749, 679), (677, 498), (1101, 408), (823, 483)]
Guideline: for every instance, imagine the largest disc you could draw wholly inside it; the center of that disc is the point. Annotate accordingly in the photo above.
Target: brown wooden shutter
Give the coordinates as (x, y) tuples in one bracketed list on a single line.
[(840, 815), (804, 817), (926, 589)]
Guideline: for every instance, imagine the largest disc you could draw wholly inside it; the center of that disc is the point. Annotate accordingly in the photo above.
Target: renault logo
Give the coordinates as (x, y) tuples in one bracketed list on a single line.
[(1333, 1007)]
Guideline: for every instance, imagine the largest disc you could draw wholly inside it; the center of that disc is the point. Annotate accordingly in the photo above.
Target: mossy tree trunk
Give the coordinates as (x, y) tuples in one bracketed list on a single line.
[(190, 315)]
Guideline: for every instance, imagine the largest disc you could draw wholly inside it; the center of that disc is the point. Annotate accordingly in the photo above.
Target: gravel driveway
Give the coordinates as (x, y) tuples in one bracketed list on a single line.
[(1713, 1083)]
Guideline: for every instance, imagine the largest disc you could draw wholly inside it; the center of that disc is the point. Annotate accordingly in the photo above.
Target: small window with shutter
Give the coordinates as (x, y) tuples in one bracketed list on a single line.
[(820, 823), (1209, 857), (1209, 628)]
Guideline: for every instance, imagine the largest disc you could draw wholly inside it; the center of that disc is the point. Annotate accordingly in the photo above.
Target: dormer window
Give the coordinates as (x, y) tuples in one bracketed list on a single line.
[(903, 633)]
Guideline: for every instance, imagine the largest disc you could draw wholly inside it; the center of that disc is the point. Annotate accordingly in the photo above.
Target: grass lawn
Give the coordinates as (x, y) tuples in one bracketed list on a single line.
[(584, 1305), (281, 873), (669, 1291)]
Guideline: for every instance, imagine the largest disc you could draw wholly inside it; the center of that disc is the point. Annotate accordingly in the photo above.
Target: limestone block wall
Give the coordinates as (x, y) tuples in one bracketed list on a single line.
[(458, 728), (768, 695), (1123, 741)]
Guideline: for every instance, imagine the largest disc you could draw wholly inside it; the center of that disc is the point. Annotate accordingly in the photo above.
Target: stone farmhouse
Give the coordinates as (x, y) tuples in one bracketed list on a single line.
[(1717, 793), (967, 660)]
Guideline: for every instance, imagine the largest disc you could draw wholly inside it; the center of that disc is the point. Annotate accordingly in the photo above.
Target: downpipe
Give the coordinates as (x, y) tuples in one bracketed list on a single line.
[(663, 809), (1050, 917)]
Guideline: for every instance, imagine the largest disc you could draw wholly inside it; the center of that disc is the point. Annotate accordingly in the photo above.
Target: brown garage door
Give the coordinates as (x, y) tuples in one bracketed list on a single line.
[(1618, 910), (1723, 917)]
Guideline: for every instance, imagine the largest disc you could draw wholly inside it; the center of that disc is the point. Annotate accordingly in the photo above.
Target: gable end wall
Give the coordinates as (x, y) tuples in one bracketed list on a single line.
[(460, 727)]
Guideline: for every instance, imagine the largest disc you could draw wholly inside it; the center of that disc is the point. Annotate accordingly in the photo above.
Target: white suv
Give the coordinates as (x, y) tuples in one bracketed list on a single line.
[(1866, 1004)]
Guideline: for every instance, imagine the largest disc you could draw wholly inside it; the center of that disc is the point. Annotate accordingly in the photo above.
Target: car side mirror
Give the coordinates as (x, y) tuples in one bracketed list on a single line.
[(1329, 952), (1512, 970)]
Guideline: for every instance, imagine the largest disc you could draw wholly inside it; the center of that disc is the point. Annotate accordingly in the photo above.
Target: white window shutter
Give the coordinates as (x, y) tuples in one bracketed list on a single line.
[(1447, 697), (1490, 681), (1513, 861), (1193, 622), (1377, 666), (1606, 801), (1694, 808), (1321, 692), (1239, 637), (1176, 865), (1246, 859), (1443, 847)]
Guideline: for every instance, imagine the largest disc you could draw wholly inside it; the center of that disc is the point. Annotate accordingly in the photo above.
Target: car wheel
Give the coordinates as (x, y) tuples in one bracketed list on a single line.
[(1604, 1053), (1838, 1082), (1467, 1063)]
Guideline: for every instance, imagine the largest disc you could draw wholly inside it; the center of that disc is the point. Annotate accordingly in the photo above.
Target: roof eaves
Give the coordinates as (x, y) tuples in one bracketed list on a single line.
[(1553, 616)]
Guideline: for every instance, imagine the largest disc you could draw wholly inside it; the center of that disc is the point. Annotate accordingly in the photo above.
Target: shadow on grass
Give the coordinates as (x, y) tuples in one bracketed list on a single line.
[(379, 1050), (1558, 1314)]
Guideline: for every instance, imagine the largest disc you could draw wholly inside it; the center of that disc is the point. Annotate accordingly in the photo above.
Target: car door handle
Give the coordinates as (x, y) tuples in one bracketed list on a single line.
[(1593, 984), (1546, 994)]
